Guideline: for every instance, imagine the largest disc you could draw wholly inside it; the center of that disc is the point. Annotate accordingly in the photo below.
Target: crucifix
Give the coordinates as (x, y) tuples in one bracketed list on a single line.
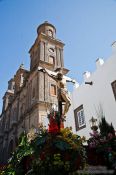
[(63, 94)]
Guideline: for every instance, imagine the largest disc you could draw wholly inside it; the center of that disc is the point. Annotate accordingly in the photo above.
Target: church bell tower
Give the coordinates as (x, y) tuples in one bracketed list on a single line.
[(47, 51)]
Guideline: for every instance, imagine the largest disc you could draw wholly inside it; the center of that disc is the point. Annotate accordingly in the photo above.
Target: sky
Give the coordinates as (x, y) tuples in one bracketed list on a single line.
[(87, 27)]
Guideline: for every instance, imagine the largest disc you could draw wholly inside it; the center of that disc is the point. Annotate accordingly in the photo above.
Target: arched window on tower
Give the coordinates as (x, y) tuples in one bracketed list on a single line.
[(21, 80), (51, 59), (50, 33), (52, 89)]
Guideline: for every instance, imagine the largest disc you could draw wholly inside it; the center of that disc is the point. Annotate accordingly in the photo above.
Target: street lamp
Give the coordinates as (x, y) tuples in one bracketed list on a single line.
[(93, 124)]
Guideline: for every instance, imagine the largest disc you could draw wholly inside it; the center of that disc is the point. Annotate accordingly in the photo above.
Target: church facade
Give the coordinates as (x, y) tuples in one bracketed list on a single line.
[(31, 93)]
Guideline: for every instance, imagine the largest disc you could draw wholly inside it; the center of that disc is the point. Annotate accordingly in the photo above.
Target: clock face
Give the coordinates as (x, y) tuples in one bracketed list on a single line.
[(51, 50)]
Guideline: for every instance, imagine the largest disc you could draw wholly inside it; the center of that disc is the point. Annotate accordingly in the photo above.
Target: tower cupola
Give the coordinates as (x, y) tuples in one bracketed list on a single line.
[(47, 29)]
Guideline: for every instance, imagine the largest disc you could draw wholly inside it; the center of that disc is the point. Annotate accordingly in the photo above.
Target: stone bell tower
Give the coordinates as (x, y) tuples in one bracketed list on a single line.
[(46, 52)]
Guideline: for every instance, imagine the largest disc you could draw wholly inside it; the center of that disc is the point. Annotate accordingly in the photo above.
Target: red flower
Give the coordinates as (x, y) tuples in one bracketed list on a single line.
[(42, 156), (67, 157)]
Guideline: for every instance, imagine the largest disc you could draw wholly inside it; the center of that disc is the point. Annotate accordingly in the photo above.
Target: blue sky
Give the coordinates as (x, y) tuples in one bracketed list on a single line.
[(87, 27)]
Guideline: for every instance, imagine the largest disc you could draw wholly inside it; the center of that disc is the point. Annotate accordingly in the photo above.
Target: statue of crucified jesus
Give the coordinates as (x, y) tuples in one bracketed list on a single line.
[(61, 84)]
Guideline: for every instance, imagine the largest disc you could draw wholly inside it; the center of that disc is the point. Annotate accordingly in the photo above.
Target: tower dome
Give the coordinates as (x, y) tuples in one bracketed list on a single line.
[(47, 29)]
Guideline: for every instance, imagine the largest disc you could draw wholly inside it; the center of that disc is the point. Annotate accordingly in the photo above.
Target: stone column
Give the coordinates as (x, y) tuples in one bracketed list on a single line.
[(42, 50), (61, 58), (45, 52), (58, 57), (55, 61)]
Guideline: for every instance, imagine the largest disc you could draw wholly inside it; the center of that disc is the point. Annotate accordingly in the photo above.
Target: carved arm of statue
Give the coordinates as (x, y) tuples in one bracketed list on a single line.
[(50, 73)]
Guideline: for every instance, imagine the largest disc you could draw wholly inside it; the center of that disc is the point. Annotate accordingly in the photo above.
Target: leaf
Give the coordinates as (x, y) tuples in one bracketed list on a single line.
[(41, 141), (62, 145)]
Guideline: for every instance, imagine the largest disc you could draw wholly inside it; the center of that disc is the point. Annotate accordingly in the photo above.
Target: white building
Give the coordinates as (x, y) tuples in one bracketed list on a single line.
[(94, 99)]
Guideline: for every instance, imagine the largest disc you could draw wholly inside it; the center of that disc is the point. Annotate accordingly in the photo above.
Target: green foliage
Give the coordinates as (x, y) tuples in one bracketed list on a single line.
[(62, 152), (105, 127), (61, 144), (47, 154), (104, 143), (23, 150)]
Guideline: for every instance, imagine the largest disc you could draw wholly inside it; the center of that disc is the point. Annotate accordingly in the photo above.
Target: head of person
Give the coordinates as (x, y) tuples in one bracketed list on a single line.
[(59, 76)]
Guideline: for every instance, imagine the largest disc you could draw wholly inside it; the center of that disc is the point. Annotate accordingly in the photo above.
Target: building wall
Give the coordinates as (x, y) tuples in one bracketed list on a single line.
[(97, 99), (28, 98)]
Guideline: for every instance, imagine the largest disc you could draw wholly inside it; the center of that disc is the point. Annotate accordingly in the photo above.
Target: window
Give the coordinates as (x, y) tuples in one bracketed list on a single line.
[(113, 84), (21, 80), (50, 33), (14, 114), (79, 118), (53, 89), (51, 59), (21, 111)]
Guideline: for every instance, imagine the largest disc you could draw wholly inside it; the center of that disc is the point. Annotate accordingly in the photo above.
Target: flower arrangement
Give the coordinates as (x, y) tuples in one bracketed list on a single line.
[(48, 152), (102, 145)]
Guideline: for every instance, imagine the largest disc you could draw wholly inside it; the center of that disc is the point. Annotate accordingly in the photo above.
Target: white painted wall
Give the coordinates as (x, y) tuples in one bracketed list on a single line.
[(98, 95)]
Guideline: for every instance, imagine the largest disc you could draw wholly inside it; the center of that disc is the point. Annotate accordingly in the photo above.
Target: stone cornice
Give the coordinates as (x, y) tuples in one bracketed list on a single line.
[(43, 37)]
